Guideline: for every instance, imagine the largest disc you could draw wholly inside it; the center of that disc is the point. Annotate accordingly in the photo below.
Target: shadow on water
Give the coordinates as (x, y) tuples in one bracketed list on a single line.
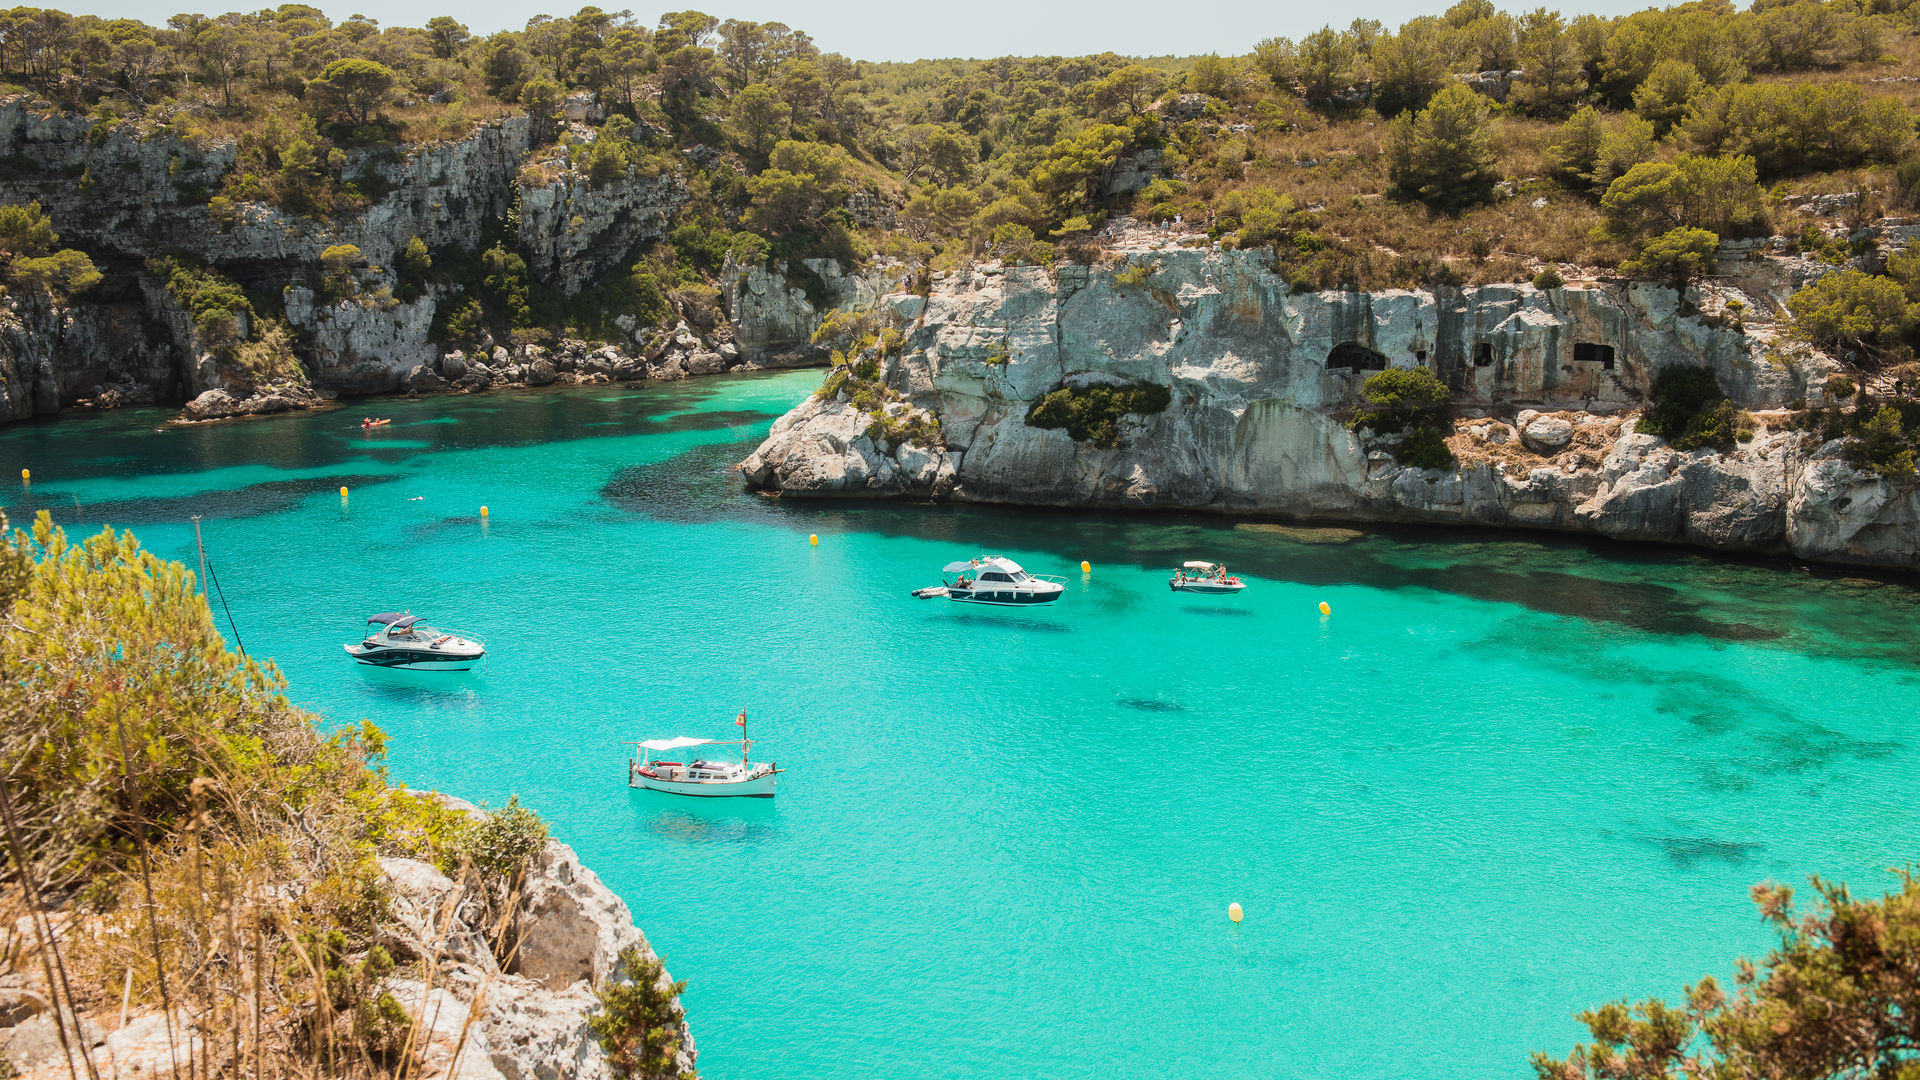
[(1686, 852), (436, 688), (89, 447), (1231, 612), (1151, 704), (1003, 618), (254, 500), (703, 821), (701, 485)]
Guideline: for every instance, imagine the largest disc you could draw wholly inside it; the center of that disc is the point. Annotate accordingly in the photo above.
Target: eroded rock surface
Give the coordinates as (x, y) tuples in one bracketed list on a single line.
[(1262, 381)]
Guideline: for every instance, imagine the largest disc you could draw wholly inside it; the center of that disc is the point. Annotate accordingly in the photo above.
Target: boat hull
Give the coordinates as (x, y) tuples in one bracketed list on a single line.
[(754, 787), (1194, 587), (412, 660), (1003, 597)]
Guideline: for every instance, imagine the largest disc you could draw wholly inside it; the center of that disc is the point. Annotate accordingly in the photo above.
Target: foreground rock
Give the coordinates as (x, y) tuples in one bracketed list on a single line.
[(1261, 382), (478, 1019)]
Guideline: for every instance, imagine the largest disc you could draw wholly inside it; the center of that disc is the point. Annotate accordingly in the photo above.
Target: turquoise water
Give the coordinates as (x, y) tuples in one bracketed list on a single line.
[(1506, 780)]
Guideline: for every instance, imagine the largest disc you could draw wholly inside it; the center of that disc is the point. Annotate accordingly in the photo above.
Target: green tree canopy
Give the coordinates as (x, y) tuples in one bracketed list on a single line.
[(1443, 156), (352, 88)]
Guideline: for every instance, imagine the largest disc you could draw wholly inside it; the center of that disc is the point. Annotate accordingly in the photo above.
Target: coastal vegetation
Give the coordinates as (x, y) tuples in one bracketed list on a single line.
[(179, 839), (1411, 403), (1092, 414), (1687, 408), (1835, 998), (1465, 146)]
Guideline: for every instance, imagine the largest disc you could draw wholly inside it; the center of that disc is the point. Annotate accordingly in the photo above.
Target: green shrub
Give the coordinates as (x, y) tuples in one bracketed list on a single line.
[(215, 302), (1686, 405), (1548, 279), (1679, 255), (1881, 446), (1840, 387), (1721, 195), (1399, 399), (1133, 276), (1424, 448), (1852, 310), (1443, 156), (638, 1022), (503, 842), (1092, 415), (1718, 426)]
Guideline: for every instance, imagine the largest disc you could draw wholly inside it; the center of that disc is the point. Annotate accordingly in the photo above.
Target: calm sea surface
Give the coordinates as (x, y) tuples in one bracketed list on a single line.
[(1506, 780)]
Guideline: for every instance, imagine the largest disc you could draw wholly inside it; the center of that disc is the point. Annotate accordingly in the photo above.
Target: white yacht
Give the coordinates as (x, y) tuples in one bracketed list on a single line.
[(991, 579), (704, 777), (403, 641), (1204, 577)]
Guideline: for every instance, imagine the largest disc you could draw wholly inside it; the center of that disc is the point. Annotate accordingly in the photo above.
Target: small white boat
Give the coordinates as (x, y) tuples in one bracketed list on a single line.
[(403, 641), (1204, 577), (702, 777), (991, 579)]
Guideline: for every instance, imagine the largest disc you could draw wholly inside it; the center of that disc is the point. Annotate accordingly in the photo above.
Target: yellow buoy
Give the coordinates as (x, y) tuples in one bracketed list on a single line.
[(343, 491), (1233, 912), (1326, 608), (814, 539), (1086, 567), (26, 476), (483, 511)]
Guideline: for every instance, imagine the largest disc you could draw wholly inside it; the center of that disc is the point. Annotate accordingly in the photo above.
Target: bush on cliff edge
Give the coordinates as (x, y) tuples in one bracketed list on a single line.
[(1687, 408), (191, 830), (1092, 415)]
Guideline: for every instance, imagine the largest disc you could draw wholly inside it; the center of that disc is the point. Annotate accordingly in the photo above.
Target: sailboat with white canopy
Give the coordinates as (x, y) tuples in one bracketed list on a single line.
[(705, 777)]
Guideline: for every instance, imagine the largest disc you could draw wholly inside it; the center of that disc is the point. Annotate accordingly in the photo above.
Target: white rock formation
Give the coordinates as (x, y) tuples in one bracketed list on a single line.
[(1261, 381)]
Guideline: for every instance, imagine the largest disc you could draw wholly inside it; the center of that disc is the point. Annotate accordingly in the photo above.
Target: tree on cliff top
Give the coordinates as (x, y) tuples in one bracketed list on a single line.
[(352, 88), (1835, 999), (1442, 156)]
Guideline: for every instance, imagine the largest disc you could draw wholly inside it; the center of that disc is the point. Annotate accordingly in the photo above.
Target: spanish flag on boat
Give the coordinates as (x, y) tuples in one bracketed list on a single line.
[(741, 721)]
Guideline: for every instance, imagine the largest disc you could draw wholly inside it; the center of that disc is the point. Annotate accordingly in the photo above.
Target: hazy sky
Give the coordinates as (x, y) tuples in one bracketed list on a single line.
[(897, 30)]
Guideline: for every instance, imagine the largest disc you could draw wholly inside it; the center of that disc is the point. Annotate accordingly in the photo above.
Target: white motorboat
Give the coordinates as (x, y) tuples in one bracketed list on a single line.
[(704, 777), (1196, 576), (991, 579), (403, 641)]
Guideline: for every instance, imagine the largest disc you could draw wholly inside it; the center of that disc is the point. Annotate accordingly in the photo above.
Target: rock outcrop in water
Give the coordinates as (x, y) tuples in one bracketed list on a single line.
[(1262, 382)]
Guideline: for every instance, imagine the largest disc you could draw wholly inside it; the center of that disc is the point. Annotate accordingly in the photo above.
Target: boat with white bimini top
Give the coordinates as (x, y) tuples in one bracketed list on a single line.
[(702, 776), (403, 641), (1197, 576), (991, 579)]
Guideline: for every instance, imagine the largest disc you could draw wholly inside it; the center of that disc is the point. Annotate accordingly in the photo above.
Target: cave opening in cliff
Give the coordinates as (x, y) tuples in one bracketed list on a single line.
[(1587, 352), (1483, 354), (1352, 354)]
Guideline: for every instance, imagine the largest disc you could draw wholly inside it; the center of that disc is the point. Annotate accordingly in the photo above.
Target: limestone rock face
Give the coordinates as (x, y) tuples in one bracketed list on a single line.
[(362, 347), (576, 232), (1261, 379), (773, 321), (572, 927), (148, 194), (475, 1022), (134, 191)]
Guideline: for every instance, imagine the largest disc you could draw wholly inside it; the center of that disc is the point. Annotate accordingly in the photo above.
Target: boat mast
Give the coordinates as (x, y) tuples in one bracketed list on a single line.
[(203, 554)]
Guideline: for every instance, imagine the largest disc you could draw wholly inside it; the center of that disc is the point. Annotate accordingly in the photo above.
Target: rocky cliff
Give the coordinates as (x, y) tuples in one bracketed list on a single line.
[(478, 1019), (1262, 382), (128, 192)]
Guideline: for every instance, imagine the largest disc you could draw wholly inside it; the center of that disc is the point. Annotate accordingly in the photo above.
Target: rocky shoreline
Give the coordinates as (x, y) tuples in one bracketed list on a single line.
[(478, 1019), (1261, 383)]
